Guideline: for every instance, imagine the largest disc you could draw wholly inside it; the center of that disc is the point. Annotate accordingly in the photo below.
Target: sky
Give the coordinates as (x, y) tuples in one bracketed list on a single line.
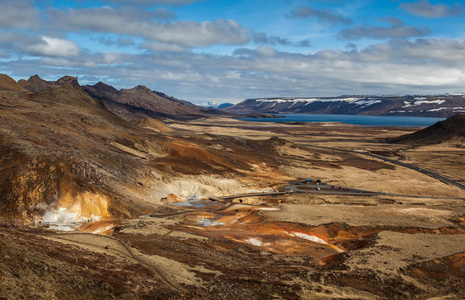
[(228, 51)]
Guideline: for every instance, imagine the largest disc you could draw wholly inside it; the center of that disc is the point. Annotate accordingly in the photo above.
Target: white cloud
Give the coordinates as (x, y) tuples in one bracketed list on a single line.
[(192, 34), (170, 66), (139, 23), (53, 47), (424, 65)]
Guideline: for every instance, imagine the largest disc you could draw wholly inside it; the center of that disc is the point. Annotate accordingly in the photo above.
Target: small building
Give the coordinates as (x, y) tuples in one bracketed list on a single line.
[(308, 180)]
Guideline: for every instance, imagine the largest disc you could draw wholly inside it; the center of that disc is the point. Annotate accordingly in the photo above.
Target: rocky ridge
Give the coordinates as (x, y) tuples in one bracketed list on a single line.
[(130, 104)]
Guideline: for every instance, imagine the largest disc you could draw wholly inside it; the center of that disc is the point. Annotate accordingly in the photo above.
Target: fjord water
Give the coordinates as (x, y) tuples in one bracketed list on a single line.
[(353, 119)]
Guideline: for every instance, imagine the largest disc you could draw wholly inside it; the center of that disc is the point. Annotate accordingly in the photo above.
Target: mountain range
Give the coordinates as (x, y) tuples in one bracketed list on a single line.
[(400, 105), (130, 104)]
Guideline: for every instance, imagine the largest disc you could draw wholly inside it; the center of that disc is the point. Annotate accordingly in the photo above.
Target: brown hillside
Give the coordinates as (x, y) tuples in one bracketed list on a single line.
[(156, 125), (133, 104), (62, 149), (9, 84), (451, 130), (140, 102)]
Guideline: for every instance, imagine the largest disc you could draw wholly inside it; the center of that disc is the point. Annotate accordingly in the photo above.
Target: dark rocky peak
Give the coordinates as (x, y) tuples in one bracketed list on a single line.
[(103, 86), (68, 80), (36, 79), (36, 84), (139, 89), (101, 91)]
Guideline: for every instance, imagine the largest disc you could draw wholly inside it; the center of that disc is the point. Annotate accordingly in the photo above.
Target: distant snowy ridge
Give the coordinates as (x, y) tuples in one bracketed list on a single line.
[(216, 105), (390, 105)]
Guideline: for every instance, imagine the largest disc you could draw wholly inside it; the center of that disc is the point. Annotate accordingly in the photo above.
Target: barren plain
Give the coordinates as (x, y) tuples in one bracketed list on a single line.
[(406, 240)]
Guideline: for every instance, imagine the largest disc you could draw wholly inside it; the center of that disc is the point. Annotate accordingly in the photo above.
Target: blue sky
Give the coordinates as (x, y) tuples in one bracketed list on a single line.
[(227, 51)]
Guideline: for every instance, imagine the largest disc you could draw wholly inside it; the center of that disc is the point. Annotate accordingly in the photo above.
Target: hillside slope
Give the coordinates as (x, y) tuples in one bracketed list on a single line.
[(140, 102), (451, 130), (62, 153), (130, 104)]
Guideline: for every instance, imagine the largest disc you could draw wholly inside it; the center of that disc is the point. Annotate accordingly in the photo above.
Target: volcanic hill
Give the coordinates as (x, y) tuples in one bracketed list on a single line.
[(451, 130), (62, 149)]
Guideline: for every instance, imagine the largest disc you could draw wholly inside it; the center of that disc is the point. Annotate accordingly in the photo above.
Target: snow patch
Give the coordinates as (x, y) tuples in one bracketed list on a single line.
[(419, 102), (437, 109), (308, 100), (367, 102)]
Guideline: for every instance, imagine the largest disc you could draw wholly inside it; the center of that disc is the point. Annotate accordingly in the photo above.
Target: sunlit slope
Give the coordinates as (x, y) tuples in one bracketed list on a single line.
[(63, 151)]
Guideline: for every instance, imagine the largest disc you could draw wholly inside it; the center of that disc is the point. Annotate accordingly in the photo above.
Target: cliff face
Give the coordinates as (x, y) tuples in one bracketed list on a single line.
[(427, 106)]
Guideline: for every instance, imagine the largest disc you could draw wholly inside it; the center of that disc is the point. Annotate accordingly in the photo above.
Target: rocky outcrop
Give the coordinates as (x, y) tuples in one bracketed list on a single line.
[(36, 84)]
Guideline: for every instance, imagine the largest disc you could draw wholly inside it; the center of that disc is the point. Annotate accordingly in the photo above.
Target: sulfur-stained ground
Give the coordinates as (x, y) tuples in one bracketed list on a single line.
[(295, 246)]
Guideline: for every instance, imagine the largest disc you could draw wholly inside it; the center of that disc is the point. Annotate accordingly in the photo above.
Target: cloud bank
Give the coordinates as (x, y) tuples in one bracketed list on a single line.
[(327, 49)]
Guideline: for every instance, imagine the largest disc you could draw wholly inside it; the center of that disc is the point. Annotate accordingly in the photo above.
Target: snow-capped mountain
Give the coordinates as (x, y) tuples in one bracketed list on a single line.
[(215, 105), (395, 105)]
